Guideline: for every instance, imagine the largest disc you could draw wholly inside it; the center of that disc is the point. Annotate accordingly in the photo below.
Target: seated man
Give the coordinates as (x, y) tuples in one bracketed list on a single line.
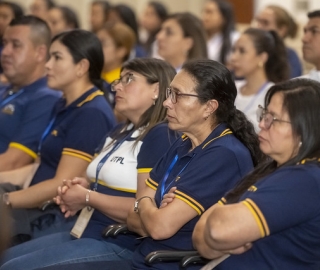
[(311, 44), (8, 11), (26, 104)]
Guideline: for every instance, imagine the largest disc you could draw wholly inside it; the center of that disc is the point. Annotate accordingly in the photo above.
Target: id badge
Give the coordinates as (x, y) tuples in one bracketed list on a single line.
[(82, 222)]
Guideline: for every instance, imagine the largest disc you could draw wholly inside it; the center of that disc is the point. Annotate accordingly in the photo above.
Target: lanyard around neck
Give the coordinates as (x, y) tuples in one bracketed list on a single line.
[(46, 133), (174, 161), (11, 97), (165, 178), (105, 158)]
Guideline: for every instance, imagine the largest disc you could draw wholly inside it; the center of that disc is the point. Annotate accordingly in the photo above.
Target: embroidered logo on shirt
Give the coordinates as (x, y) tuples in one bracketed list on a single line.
[(117, 160), (8, 109), (252, 188), (54, 132)]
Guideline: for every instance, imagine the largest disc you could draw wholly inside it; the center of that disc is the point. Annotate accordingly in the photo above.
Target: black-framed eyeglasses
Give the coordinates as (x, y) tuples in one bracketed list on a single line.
[(174, 95), (268, 118), (125, 80)]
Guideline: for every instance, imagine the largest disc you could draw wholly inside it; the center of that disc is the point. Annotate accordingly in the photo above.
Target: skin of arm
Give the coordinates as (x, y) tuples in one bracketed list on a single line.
[(225, 229), (115, 207), (35, 195), (14, 158), (133, 220), (162, 223)]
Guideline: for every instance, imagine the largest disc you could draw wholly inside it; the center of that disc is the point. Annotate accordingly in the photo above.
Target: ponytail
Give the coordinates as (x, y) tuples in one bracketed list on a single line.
[(277, 67), (243, 129)]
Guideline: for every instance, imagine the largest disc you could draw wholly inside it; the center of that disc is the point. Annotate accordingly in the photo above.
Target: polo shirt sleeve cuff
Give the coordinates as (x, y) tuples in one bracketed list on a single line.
[(76, 153), (222, 201), (258, 216), (144, 170), (152, 184), (190, 201), (24, 149)]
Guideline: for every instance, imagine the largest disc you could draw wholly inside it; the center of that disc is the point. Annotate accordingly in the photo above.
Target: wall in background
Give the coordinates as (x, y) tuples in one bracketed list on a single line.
[(82, 7)]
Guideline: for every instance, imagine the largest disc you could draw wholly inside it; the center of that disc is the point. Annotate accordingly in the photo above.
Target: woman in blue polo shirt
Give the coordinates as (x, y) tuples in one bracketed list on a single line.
[(78, 124), (218, 148), (129, 153), (272, 218)]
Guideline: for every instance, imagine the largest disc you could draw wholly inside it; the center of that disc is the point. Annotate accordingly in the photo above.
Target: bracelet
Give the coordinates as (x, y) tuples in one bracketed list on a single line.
[(88, 200), (5, 199), (136, 203)]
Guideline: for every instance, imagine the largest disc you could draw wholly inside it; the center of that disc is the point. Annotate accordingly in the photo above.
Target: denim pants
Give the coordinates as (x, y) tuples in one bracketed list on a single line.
[(60, 249)]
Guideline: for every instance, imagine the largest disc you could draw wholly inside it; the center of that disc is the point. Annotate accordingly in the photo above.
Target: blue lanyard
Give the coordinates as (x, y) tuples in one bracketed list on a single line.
[(49, 129), (105, 158), (165, 178), (11, 97), (255, 97), (46, 133)]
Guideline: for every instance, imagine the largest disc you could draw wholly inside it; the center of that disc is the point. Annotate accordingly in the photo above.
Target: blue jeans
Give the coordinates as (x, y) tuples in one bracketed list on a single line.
[(60, 249)]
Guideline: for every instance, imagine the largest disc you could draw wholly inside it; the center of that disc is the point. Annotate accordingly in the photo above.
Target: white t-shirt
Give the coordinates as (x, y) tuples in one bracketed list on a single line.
[(313, 74), (214, 45), (249, 104), (120, 170)]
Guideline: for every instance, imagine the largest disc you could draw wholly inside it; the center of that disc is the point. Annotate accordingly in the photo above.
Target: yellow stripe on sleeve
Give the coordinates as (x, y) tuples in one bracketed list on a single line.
[(222, 201), (24, 149), (189, 203), (258, 216), (78, 154), (152, 184), (144, 170), (193, 203)]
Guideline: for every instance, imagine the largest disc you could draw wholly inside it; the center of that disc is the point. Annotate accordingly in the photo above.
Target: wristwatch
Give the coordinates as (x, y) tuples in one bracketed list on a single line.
[(5, 199)]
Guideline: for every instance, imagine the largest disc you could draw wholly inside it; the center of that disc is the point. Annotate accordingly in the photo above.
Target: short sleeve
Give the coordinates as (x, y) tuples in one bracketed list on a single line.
[(33, 123), (93, 125), (155, 144), (283, 200), (208, 178)]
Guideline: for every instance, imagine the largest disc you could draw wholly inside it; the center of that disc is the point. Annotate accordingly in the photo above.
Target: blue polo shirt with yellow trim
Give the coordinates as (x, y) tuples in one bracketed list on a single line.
[(118, 176), (77, 131), (26, 116), (286, 207), (212, 169)]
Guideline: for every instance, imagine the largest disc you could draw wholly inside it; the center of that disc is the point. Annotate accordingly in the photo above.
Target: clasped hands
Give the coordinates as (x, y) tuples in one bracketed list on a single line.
[(71, 196)]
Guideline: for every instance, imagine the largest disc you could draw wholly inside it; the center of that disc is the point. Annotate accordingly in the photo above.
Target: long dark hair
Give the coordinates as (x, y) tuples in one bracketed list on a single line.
[(128, 17), (83, 44), (192, 27), (277, 67), (214, 81), (226, 10), (69, 16), (162, 14), (155, 71), (301, 99)]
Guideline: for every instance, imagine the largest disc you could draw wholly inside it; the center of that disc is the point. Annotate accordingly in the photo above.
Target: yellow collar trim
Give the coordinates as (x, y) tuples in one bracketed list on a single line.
[(91, 97)]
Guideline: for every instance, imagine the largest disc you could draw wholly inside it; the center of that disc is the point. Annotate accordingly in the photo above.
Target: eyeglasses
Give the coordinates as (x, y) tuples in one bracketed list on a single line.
[(125, 80), (174, 95), (268, 118)]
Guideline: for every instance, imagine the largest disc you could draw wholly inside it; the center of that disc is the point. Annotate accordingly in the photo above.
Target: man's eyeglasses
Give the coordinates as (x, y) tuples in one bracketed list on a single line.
[(125, 80), (174, 95), (268, 118)]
